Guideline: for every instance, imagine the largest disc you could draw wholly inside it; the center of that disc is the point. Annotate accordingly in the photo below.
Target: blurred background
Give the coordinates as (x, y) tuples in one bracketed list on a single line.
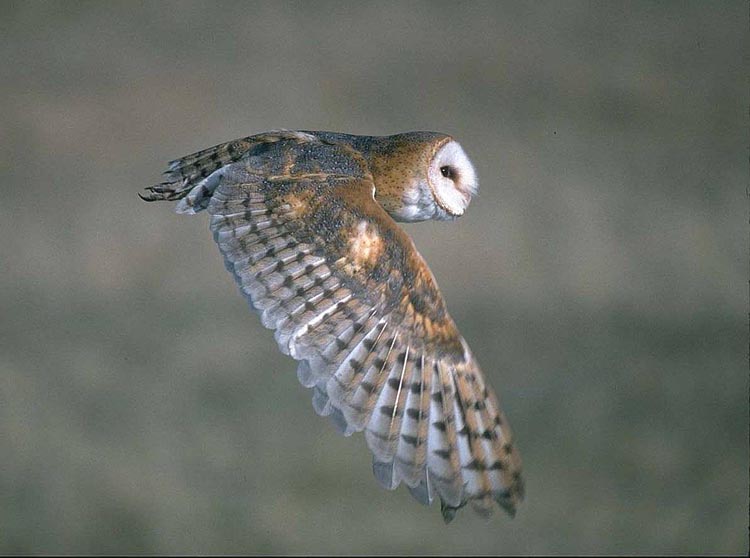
[(600, 277)]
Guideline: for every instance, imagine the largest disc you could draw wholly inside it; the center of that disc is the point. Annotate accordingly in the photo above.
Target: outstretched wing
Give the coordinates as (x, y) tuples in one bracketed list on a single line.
[(349, 296)]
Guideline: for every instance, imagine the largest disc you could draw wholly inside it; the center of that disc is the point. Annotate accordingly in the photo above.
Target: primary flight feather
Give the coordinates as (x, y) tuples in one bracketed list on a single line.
[(305, 221)]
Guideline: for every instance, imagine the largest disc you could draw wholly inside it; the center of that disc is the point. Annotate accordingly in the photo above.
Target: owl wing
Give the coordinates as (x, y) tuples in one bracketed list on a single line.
[(349, 296)]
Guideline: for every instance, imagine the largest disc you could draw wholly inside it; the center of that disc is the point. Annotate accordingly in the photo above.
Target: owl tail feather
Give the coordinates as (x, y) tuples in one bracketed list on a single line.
[(192, 179), (192, 197)]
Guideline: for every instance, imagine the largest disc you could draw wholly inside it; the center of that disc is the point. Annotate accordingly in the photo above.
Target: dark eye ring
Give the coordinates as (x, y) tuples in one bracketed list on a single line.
[(448, 172)]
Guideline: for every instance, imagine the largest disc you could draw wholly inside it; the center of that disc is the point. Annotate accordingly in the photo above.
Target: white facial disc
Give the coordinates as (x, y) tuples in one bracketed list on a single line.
[(452, 178)]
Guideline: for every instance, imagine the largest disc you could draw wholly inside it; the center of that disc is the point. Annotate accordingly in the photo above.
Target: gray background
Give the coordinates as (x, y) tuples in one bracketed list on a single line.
[(600, 277)]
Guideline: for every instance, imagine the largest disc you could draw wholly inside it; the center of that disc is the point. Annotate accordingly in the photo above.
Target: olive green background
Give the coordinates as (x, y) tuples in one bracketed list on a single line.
[(600, 276)]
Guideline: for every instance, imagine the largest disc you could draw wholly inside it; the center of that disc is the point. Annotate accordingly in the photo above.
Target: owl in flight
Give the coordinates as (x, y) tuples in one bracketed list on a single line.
[(306, 224)]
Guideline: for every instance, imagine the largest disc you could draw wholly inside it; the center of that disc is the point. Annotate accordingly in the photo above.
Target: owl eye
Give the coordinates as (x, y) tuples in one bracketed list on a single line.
[(448, 172)]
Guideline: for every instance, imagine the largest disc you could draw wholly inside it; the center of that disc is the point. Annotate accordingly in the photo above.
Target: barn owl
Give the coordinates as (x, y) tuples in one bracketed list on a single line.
[(306, 224)]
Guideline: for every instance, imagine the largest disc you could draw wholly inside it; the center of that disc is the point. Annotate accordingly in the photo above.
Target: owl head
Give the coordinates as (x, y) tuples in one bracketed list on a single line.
[(421, 175)]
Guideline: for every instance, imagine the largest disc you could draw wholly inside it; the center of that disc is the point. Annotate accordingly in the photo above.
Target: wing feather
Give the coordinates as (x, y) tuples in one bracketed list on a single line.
[(349, 297)]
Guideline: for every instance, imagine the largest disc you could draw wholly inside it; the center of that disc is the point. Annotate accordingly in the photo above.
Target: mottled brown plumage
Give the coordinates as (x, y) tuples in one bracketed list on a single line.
[(305, 221)]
